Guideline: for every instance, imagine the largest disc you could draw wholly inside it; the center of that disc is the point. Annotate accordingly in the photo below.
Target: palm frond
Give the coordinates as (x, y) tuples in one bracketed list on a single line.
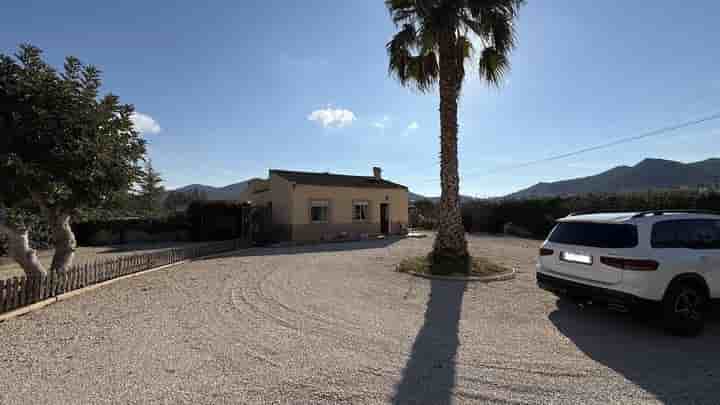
[(464, 51), (420, 72), (415, 49), (402, 11), (493, 65), (406, 38)]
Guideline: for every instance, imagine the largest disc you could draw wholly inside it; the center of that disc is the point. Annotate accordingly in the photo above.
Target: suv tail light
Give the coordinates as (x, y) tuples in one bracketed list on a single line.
[(630, 264), (546, 252)]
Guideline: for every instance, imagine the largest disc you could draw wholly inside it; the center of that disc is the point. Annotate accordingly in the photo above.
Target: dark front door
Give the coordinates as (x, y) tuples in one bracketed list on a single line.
[(384, 218)]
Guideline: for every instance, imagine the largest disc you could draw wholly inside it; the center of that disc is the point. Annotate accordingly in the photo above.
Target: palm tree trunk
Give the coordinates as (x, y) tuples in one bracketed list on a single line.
[(450, 243)]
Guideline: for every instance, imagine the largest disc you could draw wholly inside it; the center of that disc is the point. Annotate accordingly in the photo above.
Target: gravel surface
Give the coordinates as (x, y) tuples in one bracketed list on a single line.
[(335, 324)]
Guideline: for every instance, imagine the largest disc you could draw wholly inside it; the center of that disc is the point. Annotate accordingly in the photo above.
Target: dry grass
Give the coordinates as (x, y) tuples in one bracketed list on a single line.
[(477, 266)]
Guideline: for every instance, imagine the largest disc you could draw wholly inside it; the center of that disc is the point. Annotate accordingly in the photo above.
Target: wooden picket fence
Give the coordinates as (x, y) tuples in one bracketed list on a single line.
[(21, 291)]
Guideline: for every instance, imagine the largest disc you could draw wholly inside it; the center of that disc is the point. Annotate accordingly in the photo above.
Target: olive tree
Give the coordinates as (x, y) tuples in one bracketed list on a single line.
[(63, 148)]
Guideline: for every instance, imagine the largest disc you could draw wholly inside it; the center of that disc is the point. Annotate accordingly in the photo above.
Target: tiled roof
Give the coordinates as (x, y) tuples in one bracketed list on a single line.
[(335, 180)]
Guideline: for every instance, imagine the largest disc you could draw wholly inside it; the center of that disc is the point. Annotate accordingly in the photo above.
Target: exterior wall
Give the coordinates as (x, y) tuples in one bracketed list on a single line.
[(281, 197), (340, 222), (251, 192)]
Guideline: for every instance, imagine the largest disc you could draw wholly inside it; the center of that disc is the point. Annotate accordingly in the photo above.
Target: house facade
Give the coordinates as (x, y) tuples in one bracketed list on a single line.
[(309, 206)]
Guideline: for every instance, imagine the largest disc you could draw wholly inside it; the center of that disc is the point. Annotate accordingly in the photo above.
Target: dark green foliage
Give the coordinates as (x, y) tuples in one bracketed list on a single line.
[(151, 190), (217, 220), (538, 215), (425, 26), (86, 231), (62, 145)]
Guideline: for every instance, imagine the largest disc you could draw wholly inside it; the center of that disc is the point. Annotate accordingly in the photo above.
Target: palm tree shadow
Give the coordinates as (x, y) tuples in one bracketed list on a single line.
[(429, 374)]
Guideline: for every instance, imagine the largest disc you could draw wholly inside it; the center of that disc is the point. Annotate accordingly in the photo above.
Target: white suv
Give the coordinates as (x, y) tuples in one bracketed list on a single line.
[(634, 260)]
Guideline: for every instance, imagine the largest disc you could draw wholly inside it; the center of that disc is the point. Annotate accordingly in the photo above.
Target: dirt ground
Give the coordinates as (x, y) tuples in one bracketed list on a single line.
[(335, 324)]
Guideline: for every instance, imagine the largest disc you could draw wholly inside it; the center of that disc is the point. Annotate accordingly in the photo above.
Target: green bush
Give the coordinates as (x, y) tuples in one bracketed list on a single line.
[(117, 230)]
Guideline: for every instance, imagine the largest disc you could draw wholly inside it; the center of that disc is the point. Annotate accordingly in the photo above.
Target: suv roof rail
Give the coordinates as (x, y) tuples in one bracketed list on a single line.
[(573, 214), (663, 212), (640, 214)]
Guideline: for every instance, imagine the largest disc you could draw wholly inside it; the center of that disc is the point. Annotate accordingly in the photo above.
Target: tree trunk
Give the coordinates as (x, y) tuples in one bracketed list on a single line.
[(64, 241), (450, 243), (19, 250)]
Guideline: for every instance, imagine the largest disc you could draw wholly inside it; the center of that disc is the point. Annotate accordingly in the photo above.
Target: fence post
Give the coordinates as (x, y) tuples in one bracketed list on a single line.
[(3, 295), (30, 290), (14, 293)]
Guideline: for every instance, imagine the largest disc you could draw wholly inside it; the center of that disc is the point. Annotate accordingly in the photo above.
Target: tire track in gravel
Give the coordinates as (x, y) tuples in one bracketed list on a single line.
[(270, 306), (235, 292), (214, 329), (258, 292)]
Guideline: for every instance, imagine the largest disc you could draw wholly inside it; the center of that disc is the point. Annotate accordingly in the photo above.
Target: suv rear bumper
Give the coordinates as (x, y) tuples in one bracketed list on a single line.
[(577, 290)]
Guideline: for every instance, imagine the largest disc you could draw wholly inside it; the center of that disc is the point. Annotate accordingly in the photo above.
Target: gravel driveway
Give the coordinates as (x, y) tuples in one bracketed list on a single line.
[(335, 324)]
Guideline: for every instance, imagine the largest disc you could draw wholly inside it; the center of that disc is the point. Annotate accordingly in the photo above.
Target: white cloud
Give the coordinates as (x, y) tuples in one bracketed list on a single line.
[(332, 118), (412, 127), (145, 124)]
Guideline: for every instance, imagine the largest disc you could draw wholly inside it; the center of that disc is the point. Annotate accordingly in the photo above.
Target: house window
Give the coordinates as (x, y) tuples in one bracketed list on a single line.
[(360, 210), (319, 211)]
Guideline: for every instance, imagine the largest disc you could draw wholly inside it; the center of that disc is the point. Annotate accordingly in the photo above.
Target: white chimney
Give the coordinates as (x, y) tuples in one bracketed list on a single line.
[(377, 173)]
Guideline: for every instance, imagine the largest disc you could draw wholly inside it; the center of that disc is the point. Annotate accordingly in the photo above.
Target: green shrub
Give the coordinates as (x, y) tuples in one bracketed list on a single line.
[(117, 230), (538, 215)]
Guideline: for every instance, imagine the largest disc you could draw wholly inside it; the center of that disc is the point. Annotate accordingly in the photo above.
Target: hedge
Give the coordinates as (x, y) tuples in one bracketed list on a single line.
[(126, 230), (537, 216)]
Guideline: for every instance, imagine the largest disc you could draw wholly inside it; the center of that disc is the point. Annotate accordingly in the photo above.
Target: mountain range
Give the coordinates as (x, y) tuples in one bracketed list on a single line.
[(232, 192), (229, 192), (650, 174)]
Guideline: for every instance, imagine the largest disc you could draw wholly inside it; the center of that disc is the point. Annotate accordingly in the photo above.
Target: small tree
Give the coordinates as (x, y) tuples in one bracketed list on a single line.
[(62, 149), (151, 190)]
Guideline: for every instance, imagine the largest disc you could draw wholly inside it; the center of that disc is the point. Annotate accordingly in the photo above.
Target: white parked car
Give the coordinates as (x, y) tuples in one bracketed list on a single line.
[(632, 261)]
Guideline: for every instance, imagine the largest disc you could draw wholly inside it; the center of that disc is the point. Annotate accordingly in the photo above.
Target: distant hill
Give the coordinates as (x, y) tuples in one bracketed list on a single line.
[(229, 192), (417, 197), (646, 175)]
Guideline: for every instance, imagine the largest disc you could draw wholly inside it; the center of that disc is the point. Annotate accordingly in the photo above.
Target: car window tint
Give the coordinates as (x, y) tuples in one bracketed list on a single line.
[(611, 236), (686, 234)]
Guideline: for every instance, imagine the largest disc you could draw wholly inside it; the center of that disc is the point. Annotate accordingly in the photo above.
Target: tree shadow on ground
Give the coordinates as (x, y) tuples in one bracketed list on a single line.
[(673, 369), (429, 374), (312, 248)]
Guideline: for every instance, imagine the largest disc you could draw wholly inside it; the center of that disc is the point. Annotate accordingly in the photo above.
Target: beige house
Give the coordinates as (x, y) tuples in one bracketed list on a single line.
[(323, 206)]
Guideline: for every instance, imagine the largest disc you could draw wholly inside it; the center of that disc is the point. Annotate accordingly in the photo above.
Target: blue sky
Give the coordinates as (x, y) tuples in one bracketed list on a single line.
[(227, 88)]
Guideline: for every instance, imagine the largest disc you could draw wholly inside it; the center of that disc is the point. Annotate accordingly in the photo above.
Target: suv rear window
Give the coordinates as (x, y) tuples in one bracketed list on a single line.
[(686, 234), (611, 236)]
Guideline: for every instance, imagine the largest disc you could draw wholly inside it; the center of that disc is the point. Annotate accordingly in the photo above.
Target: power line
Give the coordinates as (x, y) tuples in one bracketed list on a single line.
[(654, 133)]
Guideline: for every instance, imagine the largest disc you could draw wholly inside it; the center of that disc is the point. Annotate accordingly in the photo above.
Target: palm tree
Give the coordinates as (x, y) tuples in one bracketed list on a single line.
[(432, 46)]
